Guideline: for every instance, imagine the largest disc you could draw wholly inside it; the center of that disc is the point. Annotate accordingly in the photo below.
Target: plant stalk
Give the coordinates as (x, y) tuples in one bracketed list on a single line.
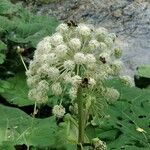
[(80, 119), (23, 62)]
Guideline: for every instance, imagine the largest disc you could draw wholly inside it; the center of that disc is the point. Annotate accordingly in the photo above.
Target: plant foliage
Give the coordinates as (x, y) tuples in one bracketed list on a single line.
[(3, 47), (19, 128), (20, 27), (144, 71), (126, 123), (17, 91)]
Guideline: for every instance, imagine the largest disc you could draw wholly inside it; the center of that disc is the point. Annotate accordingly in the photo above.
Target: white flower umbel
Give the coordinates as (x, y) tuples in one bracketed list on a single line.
[(108, 41), (98, 144), (58, 111), (56, 39), (38, 96), (44, 46), (127, 80), (76, 80), (117, 52), (103, 47), (43, 70), (116, 66), (61, 50), (90, 58), (51, 59), (79, 58), (53, 73), (62, 28), (67, 78), (94, 44), (104, 57), (111, 95), (72, 57), (101, 33), (56, 88), (33, 81), (69, 65), (83, 30), (75, 44)]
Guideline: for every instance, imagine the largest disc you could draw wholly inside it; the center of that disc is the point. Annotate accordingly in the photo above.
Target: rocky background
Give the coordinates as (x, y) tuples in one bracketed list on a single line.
[(129, 19)]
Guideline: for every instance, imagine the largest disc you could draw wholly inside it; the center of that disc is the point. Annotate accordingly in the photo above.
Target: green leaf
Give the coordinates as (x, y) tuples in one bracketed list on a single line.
[(19, 128), (119, 127), (144, 71), (4, 85), (6, 7), (17, 93), (2, 58), (7, 145), (3, 47)]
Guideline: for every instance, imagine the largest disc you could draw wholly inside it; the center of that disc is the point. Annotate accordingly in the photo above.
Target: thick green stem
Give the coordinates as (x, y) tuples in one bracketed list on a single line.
[(80, 119)]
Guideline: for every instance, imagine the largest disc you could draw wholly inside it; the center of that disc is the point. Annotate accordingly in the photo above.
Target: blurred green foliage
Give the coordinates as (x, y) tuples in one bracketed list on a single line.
[(19, 27)]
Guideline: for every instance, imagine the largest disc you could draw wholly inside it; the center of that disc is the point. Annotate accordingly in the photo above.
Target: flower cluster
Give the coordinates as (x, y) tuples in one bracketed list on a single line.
[(111, 95), (70, 56), (98, 144), (58, 111)]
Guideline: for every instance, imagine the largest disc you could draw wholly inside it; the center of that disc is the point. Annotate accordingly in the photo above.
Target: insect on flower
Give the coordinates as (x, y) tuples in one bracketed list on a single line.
[(103, 60), (71, 23), (85, 82)]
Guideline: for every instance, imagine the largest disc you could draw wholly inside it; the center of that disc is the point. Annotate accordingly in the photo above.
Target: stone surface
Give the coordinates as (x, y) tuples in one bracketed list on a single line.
[(129, 19)]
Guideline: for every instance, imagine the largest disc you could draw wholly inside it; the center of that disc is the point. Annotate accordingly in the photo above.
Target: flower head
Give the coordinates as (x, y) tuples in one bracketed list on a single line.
[(53, 73), (98, 144), (90, 58), (83, 30), (111, 95), (56, 39), (69, 64), (62, 28), (94, 44), (79, 58), (117, 52), (75, 44), (127, 80), (101, 33), (63, 60), (61, 50), (58, 111), (56, 88)]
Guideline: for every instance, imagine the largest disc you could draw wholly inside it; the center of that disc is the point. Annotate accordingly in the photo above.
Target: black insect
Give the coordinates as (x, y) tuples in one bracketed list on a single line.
[(85, 82), (72, 23), (103, 60)]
